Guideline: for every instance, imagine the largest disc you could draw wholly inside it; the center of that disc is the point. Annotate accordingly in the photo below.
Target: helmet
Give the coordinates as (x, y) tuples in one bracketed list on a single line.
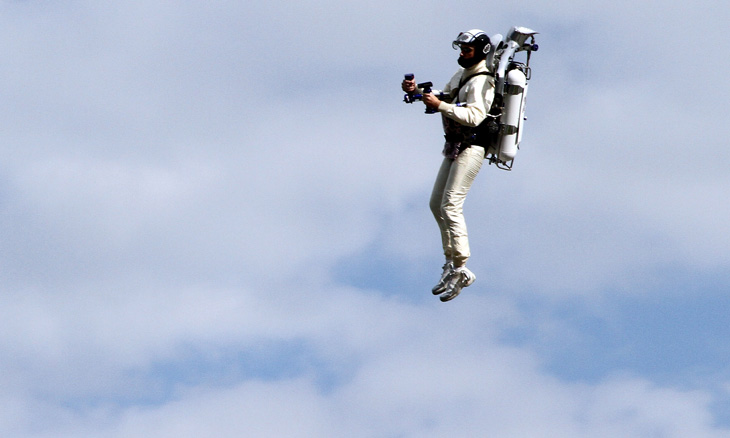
[(474, 37)]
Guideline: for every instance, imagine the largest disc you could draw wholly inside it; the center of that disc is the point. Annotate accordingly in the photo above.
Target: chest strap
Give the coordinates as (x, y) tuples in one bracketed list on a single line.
[(464, 81)]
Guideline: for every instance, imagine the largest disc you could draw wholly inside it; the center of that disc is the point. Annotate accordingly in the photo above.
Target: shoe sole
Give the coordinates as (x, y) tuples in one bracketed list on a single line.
[(440, 288), (450, 296), (438, 291), (455, 293)]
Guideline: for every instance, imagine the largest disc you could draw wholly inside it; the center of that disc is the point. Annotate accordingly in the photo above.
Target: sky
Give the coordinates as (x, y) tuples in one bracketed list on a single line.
[(214, 222)]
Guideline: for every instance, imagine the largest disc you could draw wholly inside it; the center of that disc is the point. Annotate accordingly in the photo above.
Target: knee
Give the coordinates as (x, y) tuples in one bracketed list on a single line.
[(449, 205)]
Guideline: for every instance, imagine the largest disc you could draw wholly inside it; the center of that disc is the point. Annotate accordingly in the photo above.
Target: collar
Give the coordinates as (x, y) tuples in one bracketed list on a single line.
[(476, 68)]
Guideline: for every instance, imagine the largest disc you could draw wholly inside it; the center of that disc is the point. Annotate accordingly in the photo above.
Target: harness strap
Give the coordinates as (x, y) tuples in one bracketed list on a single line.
[(468, 78), (464, 81)]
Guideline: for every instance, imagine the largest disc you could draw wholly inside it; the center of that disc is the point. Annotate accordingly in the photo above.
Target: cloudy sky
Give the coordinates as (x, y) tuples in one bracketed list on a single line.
[(214, 223)]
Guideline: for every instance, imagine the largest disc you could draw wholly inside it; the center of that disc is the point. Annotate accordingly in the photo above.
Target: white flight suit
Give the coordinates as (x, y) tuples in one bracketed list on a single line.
[(460, 168)]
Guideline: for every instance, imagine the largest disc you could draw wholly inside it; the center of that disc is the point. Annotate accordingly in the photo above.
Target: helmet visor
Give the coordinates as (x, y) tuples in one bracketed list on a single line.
[(463, 38)]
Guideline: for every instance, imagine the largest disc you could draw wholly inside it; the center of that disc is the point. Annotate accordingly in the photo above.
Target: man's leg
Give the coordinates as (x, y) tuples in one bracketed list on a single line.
[(462, 173)]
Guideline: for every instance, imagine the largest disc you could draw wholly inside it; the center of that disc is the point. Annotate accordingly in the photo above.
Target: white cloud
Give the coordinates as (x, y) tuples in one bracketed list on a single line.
[(179, 184), (452, 378)]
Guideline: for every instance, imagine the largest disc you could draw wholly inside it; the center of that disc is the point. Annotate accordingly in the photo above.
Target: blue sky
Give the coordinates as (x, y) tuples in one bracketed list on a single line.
[(214, 222)]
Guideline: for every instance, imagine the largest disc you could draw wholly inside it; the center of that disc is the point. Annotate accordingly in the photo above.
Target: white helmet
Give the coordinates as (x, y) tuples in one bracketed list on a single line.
[(473, 37)]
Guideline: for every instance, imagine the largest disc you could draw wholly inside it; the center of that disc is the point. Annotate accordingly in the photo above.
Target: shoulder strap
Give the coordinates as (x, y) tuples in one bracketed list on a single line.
[(463, 81)]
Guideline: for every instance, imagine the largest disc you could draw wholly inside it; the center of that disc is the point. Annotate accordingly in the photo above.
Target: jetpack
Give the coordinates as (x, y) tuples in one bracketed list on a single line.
[(507, 114)]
